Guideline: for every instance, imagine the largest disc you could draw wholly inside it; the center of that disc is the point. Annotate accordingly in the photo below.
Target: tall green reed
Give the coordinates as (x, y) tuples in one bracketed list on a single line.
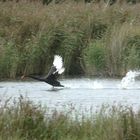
[(38, 32), (23, 119)]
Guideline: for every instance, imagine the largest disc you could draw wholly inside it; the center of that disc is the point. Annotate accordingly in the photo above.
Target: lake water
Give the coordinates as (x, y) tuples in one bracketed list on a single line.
[(80, 93)]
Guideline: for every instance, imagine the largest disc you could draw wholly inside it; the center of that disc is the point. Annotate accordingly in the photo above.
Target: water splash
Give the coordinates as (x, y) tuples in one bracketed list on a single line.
[(97, 85), (83, 84), (129, 80)]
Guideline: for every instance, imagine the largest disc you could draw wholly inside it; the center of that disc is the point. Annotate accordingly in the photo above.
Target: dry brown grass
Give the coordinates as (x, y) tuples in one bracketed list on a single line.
[(35, 32)]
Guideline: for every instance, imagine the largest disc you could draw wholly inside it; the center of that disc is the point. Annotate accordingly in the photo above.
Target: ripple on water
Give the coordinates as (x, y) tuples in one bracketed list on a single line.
[(82, 93)]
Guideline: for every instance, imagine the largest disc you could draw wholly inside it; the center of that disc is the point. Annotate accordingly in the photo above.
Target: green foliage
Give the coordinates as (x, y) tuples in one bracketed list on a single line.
[(98, 30), (91, 38), (95, 56), (71, 48), (132, 52), (9, 61), (24, 119)]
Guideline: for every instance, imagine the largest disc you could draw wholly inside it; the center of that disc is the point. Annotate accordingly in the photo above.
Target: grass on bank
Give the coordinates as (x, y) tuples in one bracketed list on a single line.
[(93, 39), (26, 120)]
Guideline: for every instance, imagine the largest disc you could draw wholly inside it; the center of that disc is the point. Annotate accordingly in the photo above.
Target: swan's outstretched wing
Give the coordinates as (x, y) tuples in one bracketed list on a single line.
[(58, 63), (52, 71), (53, 74), (57, 68)]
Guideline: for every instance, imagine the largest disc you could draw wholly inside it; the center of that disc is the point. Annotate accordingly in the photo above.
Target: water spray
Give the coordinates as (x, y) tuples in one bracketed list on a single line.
[(129, 79)]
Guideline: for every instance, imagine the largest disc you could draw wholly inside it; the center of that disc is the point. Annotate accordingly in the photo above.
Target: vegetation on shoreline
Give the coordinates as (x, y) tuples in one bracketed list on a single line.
[(25, 120), (93, 39)]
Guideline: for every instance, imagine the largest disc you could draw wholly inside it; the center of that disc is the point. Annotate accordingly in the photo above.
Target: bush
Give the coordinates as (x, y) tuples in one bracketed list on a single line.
[(94, 56), (8, 60), (98, 30), (132, 52), (23, 120)]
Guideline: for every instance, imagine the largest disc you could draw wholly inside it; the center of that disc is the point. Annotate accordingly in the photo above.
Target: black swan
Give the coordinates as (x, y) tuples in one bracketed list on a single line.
[(51, 78)]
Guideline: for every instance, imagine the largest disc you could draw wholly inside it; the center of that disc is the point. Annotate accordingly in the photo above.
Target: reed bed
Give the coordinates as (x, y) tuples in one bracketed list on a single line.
[(93, 39), (24, 119)]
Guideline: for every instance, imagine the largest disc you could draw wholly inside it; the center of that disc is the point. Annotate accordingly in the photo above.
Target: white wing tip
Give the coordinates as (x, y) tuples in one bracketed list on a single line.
[(57, 56), (58, 63), (61, 70)]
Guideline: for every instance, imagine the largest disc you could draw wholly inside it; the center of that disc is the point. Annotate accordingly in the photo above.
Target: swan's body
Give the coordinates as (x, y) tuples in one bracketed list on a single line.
[(56, 69)]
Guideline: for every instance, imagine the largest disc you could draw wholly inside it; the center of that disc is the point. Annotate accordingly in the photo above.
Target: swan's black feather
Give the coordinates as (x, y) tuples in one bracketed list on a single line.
[(51, 77)]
